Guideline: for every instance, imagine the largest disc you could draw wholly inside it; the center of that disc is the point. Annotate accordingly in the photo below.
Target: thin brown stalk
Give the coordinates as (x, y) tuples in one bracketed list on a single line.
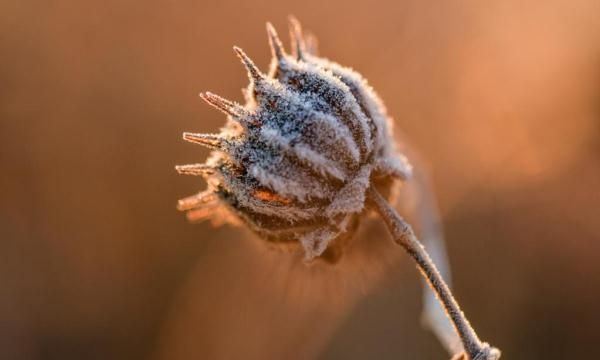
[(404, 236)]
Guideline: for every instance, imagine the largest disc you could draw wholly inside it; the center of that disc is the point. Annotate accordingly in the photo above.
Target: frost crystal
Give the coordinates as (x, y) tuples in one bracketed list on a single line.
[(295, 161)]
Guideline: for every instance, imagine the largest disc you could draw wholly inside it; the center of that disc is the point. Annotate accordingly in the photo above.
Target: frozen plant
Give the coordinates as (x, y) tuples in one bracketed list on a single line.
[(304, 158)]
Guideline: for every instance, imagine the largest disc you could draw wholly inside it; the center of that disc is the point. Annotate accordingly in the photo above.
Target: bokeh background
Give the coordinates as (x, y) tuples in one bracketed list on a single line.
[(501, 99)]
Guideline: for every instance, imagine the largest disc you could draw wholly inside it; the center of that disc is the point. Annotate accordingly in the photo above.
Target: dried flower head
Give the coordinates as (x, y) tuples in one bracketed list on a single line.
[(298, 161), (295, 161)]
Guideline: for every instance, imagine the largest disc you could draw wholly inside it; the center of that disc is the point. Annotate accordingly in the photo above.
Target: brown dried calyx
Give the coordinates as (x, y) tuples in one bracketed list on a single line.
[(295, 161)]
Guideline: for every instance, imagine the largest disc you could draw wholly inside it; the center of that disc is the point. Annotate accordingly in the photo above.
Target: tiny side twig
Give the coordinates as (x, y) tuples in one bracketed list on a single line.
[(404, 236)]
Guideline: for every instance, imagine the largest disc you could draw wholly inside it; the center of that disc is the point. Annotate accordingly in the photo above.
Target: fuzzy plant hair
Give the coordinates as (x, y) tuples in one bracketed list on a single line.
[(301, 161)]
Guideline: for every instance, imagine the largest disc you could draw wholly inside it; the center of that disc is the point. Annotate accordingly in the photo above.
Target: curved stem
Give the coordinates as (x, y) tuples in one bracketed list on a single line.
[(404, 236)]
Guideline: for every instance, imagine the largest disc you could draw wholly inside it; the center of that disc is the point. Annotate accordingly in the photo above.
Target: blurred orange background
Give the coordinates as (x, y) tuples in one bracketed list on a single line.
[(502, 99)]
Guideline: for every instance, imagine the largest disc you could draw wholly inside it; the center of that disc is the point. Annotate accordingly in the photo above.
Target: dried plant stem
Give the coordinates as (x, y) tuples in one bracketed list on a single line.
[(404, 236)]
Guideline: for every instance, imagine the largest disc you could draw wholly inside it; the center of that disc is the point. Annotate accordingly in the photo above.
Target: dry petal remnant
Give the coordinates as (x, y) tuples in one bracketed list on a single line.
[(295, 161)]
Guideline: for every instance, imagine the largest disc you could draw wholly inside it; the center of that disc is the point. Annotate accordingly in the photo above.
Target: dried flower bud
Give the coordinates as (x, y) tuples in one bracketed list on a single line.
[(295, 161)]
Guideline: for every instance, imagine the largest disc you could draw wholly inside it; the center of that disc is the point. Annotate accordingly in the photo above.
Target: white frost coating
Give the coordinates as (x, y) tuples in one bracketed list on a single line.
[(351, 198), (286, 187), (288, 213), (320, 83), (397, 166), (317, 161), (316, 242), (295, 162), (368, 99), (341, 133)]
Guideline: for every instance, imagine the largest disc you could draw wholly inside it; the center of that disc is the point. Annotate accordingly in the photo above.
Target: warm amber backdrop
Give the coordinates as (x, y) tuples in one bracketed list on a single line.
[(502, 98)]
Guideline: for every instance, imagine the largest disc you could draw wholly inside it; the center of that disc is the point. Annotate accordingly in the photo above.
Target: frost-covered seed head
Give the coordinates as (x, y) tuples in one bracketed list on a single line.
[(294, 162)]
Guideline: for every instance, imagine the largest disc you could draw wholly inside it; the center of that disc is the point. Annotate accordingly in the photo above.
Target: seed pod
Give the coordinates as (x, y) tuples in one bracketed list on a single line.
[(295, 161)]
